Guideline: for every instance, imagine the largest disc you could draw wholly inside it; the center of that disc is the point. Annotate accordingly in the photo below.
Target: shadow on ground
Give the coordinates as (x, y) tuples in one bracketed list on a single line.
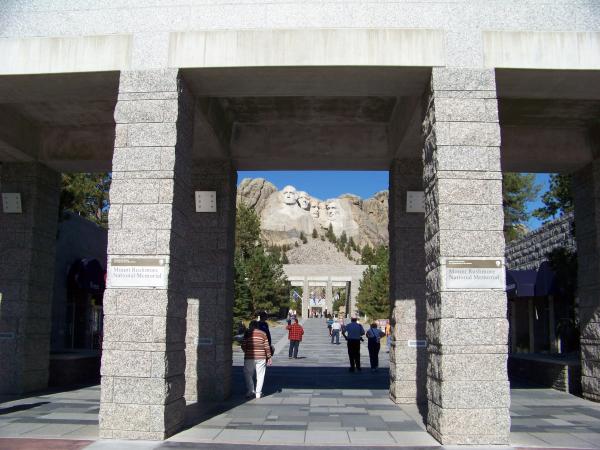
[(290, 377)]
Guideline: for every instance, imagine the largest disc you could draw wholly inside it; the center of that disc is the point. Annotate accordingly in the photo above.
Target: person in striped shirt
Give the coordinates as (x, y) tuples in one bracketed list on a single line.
[(257, 356)]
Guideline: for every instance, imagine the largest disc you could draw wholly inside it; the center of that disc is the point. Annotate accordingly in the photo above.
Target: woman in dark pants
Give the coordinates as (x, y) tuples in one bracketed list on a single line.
[(374, 335)]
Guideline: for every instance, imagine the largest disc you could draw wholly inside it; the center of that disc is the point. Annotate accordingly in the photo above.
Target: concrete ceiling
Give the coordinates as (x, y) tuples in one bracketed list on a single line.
[(545, 117), (320, 118), (548, 84), (309, 110), (300, 118), (65, 120), (308, 81)]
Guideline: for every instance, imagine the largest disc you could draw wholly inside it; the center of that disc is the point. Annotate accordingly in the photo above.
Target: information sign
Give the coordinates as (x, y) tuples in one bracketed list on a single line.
[(417, 343), (137, 272), (204, 341), (474, 274)]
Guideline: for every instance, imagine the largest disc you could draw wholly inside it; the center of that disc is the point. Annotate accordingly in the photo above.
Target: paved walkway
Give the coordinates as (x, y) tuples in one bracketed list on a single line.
[(314, 400), (311, 401)]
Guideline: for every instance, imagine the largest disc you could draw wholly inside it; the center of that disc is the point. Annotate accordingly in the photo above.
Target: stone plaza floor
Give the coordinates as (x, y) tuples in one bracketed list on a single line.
[(309, 401)]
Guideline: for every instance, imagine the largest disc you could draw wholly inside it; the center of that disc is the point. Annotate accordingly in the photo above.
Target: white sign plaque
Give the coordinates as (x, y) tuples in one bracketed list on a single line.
[(206, 201), (415, 201), (417, 343), (11, 203), (474, 274), (204, 341), (137, 272)]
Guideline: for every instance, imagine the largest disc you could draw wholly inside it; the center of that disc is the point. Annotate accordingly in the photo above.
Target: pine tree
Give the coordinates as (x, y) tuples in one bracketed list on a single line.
[(247, 230), (352, 243), (517, 190), (86, 194), (260, 282), (373, 298), (367, 255), (558, 200), (331, 235), (343, 239)]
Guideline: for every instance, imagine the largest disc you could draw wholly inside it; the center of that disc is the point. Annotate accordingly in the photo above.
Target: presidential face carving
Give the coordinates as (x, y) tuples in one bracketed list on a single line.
[(304, 200), (314, 208), (332, 209), (289, 195)]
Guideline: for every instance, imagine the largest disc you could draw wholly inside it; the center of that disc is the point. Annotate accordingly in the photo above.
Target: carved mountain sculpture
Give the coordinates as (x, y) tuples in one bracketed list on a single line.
[(287, 213)]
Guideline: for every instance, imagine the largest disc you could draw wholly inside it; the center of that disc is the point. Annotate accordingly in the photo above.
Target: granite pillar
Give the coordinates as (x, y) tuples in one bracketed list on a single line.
[(328, 297), (467, 329), (27, 255), (408, 355), (586, 193), (305, 300), (210, 285), (143, 359)]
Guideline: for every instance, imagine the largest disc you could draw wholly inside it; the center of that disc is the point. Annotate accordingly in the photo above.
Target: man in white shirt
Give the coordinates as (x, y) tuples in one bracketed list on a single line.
[(336, 327)]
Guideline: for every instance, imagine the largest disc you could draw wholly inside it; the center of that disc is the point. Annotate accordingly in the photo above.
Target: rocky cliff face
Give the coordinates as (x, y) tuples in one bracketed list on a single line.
[(287, 213)]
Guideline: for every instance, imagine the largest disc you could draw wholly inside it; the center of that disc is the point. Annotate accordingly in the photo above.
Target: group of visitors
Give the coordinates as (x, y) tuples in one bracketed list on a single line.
[(353, 333), (259, 351)]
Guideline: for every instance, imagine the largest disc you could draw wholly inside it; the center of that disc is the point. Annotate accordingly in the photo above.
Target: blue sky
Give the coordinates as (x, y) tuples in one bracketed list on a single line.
[(328, 184)]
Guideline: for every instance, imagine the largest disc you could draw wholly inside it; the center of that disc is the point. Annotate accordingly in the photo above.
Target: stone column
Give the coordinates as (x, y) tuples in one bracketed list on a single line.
[(586, 190), (305, 299), (143, 359), (354, 285), (192, 329), (27, 254), (328, 296), (408, 355), (467, 330), (210, 284), (531, 325)]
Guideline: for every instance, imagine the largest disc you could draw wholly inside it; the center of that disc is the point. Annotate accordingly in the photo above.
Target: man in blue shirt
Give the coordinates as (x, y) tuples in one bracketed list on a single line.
[(353, 334)]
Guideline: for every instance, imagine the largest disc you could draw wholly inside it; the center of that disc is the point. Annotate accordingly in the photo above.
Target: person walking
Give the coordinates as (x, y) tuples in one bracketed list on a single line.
[(329, 324), (388, 336), (295, 332), (257, 356), (374, 336), (263, 325), (336, 327), (353, 334)]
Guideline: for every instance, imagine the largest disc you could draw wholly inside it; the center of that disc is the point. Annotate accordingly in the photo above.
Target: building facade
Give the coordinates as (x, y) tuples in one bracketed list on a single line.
[(174, 96)]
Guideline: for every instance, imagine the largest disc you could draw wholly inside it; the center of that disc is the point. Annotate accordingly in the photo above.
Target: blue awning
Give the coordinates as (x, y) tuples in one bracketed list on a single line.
[(520, 283)]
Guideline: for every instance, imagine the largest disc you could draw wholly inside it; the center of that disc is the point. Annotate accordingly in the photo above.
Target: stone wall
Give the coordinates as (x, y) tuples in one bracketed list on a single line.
[(562, 375), (586, 193), (27, 250), (149, 23), (532, 249), (210, 286), (408, 361)]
